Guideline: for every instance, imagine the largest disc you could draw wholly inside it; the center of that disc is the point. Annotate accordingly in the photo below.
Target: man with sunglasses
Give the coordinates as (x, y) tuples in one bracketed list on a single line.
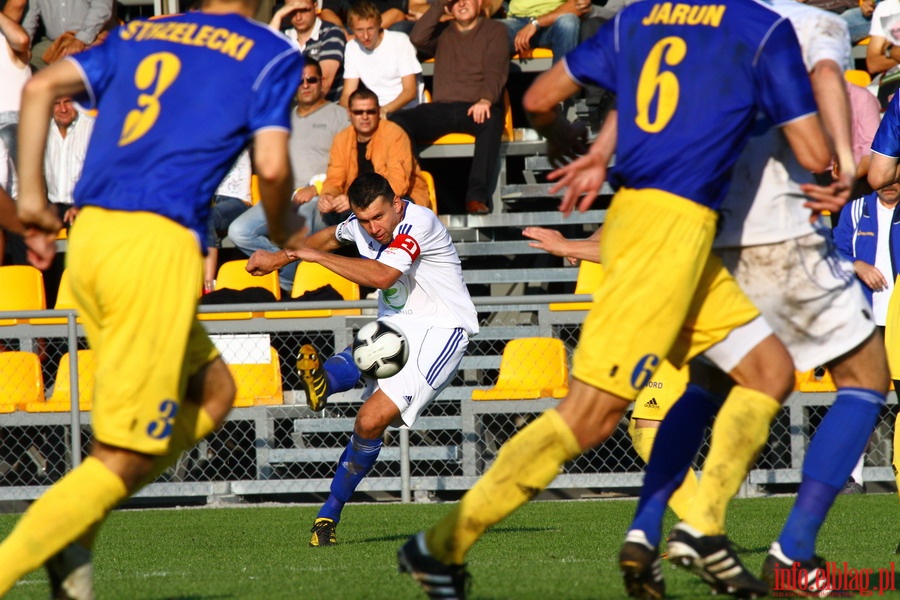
[(314, 123), (318, 39)]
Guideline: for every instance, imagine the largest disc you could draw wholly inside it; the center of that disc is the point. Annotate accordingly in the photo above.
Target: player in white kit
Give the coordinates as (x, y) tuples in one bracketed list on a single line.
[(785, 262), (408, 255)]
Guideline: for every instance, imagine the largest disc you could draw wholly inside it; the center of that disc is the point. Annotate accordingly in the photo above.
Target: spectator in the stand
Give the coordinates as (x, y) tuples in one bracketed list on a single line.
[(859, 19), (14, 72), (553, 24), (470, 72), (868, 233), (67, 144), (882, 55), (318, 39), (314, 124), (396, 15), (368, 145), (69, 26), (232, 199), (383, 61)]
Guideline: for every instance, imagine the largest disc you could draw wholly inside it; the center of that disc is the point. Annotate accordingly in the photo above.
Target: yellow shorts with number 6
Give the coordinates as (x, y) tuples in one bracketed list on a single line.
[(664, 294)]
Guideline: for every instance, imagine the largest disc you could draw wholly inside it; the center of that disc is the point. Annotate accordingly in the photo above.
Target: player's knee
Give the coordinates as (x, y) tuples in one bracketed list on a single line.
[(767, 368), (369, 426)]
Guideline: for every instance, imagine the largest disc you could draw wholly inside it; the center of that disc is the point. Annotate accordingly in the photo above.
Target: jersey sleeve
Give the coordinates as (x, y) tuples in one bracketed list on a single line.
[(346, 230), (784, 91), (593, 61), (97, 66), (830, 40), (402, 252), (887, 138), (274, 91)]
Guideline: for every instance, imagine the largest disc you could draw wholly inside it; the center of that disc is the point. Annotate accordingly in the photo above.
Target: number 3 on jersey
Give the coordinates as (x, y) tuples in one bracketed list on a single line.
[(659, 84), (153, 76)]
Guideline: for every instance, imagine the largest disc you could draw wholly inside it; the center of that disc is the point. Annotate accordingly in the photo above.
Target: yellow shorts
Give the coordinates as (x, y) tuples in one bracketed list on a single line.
[(664, 295), (136, 278), (660, 393), (892, 333)]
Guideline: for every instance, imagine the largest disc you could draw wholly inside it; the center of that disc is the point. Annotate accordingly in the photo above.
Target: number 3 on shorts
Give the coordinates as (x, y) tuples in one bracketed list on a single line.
[(161, 428)]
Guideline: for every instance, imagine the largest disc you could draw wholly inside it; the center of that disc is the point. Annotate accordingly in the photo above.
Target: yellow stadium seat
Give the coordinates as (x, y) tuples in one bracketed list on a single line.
[(808, 382), (233, 275), (865, 41), (21, 380), (465, 138), (530, 368), (311, 276), (64, 300), (534, 53), (258, 384), (858, 77), (255, 196), (590, 274), (432, 194), (21, 288), (61, 400)]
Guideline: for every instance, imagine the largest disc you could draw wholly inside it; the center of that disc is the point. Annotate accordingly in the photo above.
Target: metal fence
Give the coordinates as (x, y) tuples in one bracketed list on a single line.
[(275, 447)]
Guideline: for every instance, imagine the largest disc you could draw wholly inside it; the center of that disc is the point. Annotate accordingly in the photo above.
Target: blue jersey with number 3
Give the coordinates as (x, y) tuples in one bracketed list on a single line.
[(178, 99), (690, 77)]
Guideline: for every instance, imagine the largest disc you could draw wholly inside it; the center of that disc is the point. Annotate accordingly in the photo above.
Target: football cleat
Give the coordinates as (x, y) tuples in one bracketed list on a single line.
[(312, 376), (440, 581), (805, 578), (712, 558), (71, 574), (641, 567), (323, 533)]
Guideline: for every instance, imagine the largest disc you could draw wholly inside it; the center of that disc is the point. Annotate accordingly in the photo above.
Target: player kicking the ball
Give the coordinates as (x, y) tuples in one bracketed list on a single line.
[(408, 255)]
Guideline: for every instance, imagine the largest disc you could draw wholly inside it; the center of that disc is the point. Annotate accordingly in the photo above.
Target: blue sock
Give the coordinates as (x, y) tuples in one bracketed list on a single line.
[(677, 442), (341, 372), (836, 446), (357, 459)]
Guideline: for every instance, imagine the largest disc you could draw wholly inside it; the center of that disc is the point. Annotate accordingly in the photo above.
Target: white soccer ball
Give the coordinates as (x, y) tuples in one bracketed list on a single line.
[(380, 350)]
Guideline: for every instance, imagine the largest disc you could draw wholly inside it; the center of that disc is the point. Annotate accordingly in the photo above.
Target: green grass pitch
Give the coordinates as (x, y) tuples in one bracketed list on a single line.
[(547, 550)]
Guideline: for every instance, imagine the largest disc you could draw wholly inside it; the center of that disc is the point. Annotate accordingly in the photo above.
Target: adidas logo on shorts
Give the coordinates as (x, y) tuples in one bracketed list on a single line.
[(651, 403)]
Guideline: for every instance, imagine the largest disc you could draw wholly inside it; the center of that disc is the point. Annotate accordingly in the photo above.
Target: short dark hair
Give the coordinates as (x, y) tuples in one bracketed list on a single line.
[(309, 61), (367, 188), (362, 93), (363, 10)]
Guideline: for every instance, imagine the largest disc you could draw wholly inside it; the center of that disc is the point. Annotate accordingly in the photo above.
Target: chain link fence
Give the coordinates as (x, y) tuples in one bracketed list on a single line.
[(274, 447)]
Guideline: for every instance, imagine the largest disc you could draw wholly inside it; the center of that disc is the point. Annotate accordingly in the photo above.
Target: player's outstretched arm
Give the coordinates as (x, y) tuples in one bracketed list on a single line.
[(565, 140), (263, 262), (883, 170), (809, 142), (552, 241), (273, 167)]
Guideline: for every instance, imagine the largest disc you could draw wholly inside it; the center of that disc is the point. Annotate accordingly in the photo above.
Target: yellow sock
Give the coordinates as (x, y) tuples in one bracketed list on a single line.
[(895, 463), (526, 464), (65, 512), (192, 425), (739, 433), (643, 439)]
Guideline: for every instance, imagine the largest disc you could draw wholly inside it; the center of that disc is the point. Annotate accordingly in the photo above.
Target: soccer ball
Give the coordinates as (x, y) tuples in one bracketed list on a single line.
[(380, 350)]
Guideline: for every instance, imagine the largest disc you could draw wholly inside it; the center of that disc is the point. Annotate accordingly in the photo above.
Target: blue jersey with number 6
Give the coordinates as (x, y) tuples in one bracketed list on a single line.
[(177, 99), (690, 77)]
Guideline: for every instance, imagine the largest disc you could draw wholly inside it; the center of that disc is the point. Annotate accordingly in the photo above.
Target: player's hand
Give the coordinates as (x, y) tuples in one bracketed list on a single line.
[(522, 43), (40, 247), (263, 262), (870, 275), (582, 179), (548, 240), (480, 111), (69, 216), (831, 197)]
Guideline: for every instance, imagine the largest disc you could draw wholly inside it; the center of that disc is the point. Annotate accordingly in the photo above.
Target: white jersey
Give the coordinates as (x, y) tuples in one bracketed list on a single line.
[(765, 204), (431, 289)]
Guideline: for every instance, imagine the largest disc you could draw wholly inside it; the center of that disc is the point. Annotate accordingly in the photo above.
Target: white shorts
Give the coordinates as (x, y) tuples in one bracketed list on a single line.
[(807, 293), (434, 357)]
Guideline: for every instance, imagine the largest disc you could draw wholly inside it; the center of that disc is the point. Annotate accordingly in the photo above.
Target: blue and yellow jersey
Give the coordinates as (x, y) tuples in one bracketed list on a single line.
[(887, 138), (690, 77), (178, 99)]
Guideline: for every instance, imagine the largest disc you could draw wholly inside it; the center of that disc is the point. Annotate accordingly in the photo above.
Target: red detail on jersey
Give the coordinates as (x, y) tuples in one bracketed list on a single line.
[(407, 244)]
